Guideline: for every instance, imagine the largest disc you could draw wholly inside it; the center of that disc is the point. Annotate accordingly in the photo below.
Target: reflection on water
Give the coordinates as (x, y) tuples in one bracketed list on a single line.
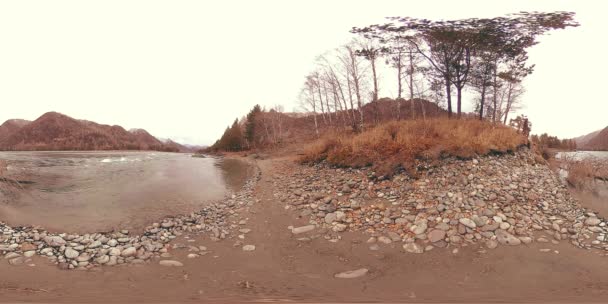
[(96, 191)]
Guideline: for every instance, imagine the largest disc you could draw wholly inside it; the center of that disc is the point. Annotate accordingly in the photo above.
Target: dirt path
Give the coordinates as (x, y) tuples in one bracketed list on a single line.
[(285, 268)]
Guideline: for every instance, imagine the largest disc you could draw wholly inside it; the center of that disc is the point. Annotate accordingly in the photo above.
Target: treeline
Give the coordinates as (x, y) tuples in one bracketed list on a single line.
[(259, 128), (545, 141)]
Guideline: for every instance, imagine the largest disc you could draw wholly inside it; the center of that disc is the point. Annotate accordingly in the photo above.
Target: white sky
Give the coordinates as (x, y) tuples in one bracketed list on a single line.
[(186, 69)]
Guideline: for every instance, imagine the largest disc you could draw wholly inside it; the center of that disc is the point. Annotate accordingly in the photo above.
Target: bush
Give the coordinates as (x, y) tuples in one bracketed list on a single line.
[(397, 144)]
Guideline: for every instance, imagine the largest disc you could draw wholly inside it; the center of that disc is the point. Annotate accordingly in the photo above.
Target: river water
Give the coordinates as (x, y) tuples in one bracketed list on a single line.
[(100, 191)]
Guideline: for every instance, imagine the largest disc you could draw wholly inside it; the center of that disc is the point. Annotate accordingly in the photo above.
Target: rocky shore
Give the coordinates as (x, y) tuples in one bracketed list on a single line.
[(490, 201), (220, 220)]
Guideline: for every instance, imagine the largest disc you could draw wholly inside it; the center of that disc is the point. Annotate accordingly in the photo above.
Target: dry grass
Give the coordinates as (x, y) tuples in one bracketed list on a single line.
[(393, 145), (583, 174)]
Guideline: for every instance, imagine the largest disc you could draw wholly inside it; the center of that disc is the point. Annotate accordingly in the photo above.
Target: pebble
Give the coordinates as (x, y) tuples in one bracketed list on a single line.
[(303, 229), (352, 274), (170, 263), (413, 248), (249, 248)]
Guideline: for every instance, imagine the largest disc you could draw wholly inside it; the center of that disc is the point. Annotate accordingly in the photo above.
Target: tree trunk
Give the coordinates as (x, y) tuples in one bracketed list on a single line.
[(508, 102), (459, 100), (373, 62), (448, 94), (482, 101), (411, 85)]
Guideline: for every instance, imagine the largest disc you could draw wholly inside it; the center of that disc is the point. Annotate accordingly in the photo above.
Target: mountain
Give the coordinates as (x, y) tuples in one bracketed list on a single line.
[(597, 140), (11, 126), (56, 131)]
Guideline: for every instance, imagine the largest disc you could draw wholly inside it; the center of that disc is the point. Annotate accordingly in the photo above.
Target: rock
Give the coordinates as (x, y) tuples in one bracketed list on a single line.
[(303, 229), (436, 235), (395, 237), (339, 228), (54, 241), (525, 239), (467, 222), (419, 228), (95, 244), (112, 243), (330, 218), (16, 261), (129, 252), (592, 221), (103, 259), (71, 253), (506, 238), (28, 247), (11, 255), (384, 240), (491, 244), (249, 248), (114, 251), (192, 255), (29, 254), (351, 274), (413, 248), (170, 263)]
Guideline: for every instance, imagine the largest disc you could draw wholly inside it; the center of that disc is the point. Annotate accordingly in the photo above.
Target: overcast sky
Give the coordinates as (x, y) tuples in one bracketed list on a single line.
[(185, 69)]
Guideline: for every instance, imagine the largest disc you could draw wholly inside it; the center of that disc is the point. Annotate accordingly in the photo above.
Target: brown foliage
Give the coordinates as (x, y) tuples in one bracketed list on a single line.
[(398, 144), (582, 174)]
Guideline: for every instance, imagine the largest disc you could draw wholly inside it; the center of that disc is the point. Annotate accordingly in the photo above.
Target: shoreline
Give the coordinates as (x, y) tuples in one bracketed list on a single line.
[(87, 250), (270, 256)]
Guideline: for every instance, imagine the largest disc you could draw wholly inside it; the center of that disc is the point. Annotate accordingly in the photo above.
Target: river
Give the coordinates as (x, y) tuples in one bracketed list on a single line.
[(99, 191)]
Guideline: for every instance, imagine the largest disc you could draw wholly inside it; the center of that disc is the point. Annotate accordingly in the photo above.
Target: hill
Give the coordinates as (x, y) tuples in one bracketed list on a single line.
[(597, 140), (55, 131), (11, 126)]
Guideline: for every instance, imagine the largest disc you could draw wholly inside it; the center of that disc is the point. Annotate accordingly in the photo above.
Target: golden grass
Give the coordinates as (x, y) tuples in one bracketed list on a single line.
[(582, 174), (396, 144)]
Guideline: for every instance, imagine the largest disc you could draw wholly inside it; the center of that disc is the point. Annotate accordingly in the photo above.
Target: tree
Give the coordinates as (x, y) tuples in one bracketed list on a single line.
[(251, 125), (450, 45)]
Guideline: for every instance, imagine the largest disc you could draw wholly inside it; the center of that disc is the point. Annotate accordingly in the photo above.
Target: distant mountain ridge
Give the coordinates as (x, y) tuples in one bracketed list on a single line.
[(597, 140), (58, 132)]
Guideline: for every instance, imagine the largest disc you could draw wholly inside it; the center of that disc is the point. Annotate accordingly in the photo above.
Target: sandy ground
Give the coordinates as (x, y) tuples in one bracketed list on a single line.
[(285, 269)]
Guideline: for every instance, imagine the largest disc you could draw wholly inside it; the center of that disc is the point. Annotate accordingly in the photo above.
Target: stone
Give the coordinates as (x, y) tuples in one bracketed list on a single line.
[(192, 255), (592, 221), (506, 238), (467, 222), (330, 218), (129, 252), (16, 261), (29, 254), (28, 247), (413, 248), (419, 228), (170, 263), (351, 274), (491, 244), (11, 255), (384, 240), (54, 241), (71, 253), (249, 248), (303, 229), (436, 235), (114, 251)]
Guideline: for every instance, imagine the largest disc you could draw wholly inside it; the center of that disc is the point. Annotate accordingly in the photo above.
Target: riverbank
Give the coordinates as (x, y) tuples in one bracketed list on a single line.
[(357, 231)]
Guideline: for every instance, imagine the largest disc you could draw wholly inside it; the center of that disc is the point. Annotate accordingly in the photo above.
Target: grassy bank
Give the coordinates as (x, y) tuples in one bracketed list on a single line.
[(393, 145)]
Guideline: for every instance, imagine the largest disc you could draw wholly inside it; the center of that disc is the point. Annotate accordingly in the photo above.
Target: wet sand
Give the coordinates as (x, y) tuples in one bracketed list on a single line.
[(88, 192)]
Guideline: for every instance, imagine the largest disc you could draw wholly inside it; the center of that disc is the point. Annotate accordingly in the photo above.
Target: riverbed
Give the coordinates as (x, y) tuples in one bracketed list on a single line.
[(101, 191)]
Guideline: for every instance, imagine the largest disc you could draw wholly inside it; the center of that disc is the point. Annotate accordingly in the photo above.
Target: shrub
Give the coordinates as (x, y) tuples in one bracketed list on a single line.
[(398, 144)]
